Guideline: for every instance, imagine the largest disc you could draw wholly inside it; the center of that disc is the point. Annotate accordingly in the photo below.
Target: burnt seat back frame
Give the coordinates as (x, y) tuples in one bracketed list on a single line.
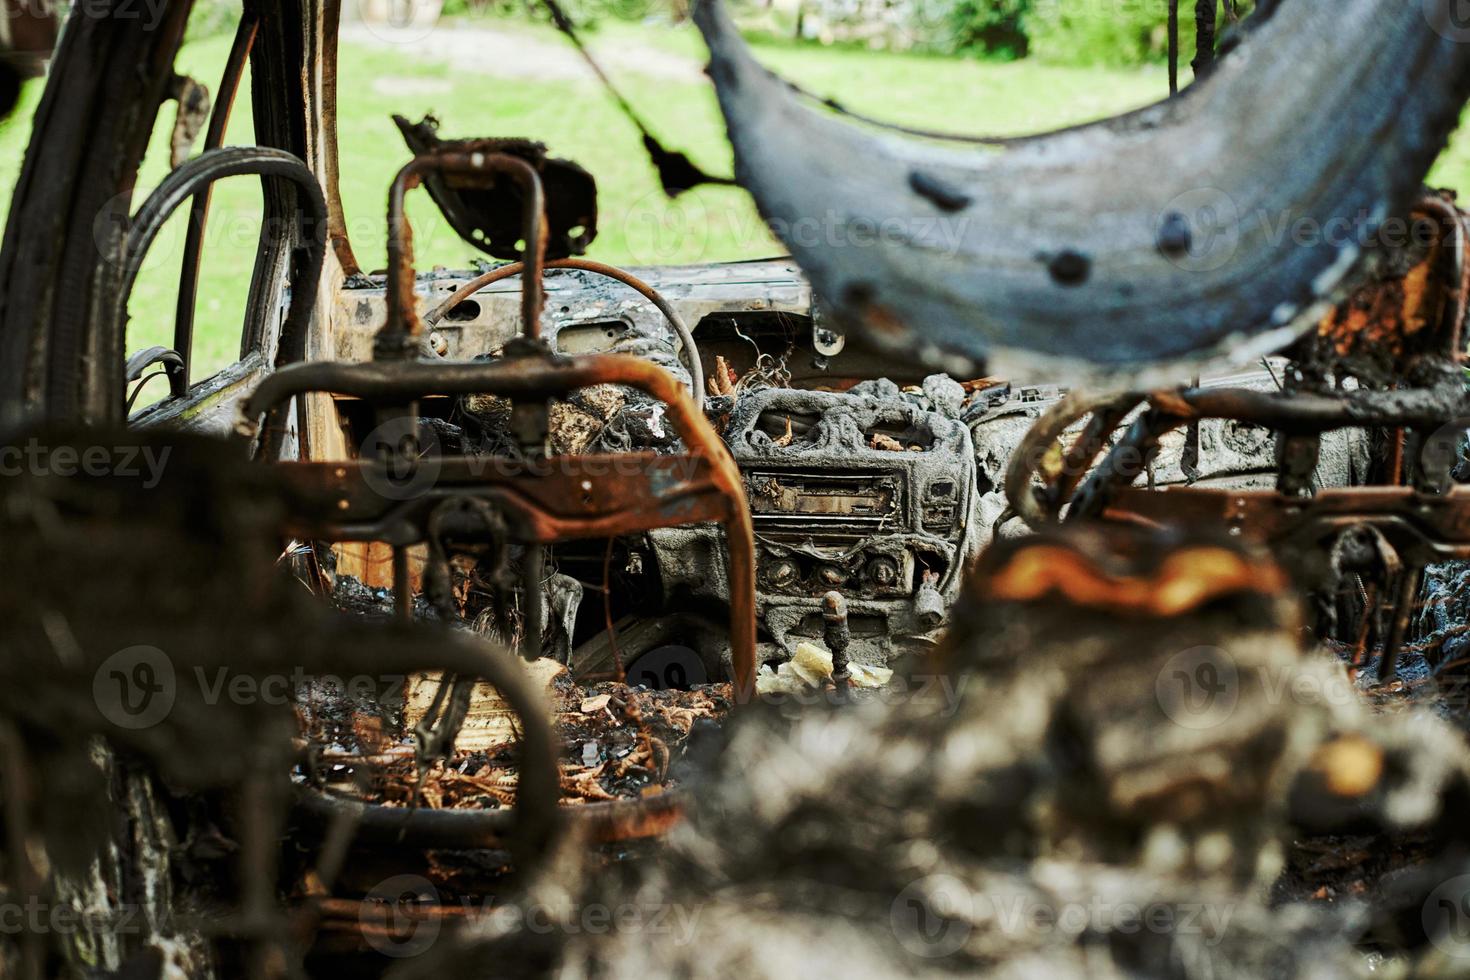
[(595, 496)]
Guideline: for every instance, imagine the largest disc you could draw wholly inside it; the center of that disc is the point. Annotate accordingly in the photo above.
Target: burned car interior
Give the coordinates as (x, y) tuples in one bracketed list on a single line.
[(1069, 581)]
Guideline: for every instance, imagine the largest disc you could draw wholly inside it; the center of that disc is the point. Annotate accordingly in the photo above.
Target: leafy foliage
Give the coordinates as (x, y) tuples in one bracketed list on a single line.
[(995, 28), (1118, 32), (1078, 32)]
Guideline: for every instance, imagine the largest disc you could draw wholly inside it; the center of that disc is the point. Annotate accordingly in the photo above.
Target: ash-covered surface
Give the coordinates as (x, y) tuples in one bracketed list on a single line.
[(1057, 811), (353, 598), (1442, 624), (1047, 801), (1232, 455), (869, 491), (600, 419), (618, 742)]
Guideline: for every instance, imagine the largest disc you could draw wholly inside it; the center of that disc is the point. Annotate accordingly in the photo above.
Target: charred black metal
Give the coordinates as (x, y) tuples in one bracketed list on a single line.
[(976, 295), (1204, 34), (110, 76), (676, 172), (821, 493), (837, 635), (945, 197), (219, 121), (191, 182), (491, 218)]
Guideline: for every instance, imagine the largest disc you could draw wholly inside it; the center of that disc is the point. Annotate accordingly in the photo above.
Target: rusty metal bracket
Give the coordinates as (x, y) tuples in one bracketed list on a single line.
[(1422, 529), (489, 220), (1424, 410), (400, 334), (544, 501), (676, 322)]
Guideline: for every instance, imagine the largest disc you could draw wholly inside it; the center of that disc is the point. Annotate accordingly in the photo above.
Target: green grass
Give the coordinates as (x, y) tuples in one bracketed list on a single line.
[(231, 242), (578, 120)]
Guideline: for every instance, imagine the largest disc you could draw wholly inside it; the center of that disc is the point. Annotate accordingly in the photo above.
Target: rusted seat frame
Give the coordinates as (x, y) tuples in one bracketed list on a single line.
[(1423, 524), (711, 489)]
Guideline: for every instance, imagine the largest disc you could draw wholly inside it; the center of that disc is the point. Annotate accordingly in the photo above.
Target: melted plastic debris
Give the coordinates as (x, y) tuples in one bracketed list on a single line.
[(810, 668)]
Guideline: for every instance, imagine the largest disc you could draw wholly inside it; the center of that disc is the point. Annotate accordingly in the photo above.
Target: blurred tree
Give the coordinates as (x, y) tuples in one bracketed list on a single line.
[(994, 28)]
